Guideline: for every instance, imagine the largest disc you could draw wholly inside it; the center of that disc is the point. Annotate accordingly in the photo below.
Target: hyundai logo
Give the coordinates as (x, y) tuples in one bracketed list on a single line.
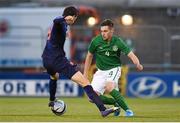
[(147, 87)]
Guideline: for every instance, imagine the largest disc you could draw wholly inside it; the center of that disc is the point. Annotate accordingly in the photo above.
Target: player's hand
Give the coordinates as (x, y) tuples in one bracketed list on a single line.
[(139, 67)]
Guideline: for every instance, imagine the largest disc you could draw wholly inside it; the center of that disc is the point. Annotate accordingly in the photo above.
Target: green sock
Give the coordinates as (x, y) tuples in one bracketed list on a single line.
[(107, 100), (119, 99)]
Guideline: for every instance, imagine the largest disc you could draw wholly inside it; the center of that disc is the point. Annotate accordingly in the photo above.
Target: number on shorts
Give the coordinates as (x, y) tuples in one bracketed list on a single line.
[(111, 73)]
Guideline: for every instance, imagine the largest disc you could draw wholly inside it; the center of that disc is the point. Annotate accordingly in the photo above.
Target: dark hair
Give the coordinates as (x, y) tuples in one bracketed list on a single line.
[(70, 10), (107, 22)]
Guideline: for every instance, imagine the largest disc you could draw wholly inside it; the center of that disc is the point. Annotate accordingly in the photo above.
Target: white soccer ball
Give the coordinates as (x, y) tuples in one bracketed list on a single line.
[(59, 107)]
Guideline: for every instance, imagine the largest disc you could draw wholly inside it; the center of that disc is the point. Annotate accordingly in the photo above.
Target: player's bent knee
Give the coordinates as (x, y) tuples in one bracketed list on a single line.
[(80, 79), (109, 87), (85, 83), (55, 77)]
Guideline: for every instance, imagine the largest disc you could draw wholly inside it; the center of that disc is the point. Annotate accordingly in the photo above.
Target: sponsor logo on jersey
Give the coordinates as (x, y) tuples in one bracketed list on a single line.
[(100, 48)]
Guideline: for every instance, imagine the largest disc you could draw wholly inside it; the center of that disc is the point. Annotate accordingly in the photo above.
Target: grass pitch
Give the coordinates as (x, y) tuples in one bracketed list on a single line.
[(17, 109)]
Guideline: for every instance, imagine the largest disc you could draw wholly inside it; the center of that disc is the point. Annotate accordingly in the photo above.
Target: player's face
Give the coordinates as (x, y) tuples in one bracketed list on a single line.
[(106, 32), (70, 19)]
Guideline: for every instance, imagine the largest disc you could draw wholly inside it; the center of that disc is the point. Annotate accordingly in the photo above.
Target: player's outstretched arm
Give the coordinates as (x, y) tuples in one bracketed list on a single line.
[(135, 60), (88, 62)]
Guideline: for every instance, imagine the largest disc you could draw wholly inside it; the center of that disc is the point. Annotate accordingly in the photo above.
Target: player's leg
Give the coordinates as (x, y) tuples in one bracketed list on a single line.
[(68, 69), (53, 86), (80, 79), (110, 101), (112, 89), (107, 100), (98, 83), (53, 80), (121, 101)]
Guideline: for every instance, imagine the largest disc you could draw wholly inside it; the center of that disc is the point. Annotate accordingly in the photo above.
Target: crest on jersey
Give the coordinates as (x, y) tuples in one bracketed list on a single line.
[(115, 48), (100, 48)]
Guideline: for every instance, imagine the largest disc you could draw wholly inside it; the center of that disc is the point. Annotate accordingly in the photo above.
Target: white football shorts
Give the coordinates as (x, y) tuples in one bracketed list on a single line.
[(101, 77)]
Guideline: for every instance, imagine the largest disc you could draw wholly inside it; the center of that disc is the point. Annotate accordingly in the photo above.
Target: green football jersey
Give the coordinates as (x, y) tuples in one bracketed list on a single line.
[(108, 53)]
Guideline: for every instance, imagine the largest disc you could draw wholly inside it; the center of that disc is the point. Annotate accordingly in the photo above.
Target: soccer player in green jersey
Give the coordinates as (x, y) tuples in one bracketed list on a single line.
[(107, 49)]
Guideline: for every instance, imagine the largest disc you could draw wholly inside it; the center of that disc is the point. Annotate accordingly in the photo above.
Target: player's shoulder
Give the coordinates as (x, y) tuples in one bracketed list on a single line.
[(118, 38), (59, 19), (96, 38)]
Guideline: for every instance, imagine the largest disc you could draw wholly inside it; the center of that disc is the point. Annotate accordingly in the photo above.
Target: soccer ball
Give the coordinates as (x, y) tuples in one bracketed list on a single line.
[(59, 107)]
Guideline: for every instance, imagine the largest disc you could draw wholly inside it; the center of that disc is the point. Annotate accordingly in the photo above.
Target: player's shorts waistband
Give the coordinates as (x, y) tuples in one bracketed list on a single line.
[(111, 68)]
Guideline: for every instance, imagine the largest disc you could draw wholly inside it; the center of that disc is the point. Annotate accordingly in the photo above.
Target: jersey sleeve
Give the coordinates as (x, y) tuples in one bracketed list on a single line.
[(59, 20), (124, 47), (92, 47)]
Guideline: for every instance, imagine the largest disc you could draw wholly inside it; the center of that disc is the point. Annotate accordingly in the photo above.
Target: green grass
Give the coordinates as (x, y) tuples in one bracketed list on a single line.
[(79, 109)]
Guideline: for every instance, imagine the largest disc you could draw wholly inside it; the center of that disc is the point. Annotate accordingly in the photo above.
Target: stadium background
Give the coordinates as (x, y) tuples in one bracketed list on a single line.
[(154, 35)]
